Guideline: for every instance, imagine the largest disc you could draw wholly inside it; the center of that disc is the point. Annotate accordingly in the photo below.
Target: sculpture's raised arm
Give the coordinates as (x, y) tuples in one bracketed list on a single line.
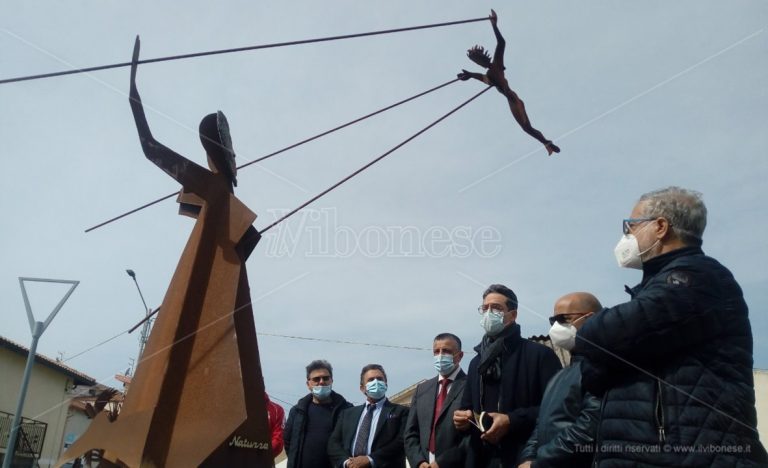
[(498, 54), (186, 172)]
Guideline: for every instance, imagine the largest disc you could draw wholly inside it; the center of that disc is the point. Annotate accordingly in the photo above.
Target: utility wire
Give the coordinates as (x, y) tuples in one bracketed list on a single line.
[(275, 153), (327, 340), (399, 145), (237, 49), (95, 346), (292, 337)]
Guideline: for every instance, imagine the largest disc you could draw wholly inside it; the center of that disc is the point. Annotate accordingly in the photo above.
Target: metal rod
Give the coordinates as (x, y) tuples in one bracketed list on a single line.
[(149, 316), (237, 49), (345, 179), (282, 150)]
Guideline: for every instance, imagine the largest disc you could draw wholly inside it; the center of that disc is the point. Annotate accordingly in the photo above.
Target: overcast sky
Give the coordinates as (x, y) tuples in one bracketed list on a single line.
[(639, 95)]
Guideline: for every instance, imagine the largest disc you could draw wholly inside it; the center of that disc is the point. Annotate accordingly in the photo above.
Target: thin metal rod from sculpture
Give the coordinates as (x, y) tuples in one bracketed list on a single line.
[(289, 147), (197, 398), (239, 49), (495, 77)]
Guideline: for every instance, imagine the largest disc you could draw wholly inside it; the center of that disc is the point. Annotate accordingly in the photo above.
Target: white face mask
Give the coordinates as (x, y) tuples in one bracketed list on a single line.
[(492, 322), (563, 336), (628, 253)]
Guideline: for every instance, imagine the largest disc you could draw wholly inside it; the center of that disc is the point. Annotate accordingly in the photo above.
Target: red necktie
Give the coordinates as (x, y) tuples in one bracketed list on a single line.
[(438, 406)]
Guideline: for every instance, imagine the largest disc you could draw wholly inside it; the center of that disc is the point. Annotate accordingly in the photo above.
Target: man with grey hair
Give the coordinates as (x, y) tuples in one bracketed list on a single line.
[(674, 364)]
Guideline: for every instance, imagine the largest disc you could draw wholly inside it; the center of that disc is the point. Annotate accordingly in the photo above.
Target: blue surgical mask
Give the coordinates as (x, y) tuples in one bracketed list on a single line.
[(492, 322), (322, 392), (376, 389), (444, 364)]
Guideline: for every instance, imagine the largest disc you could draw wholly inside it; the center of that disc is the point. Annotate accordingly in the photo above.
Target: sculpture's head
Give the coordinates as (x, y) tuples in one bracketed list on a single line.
[(480, 56), (215, 137)]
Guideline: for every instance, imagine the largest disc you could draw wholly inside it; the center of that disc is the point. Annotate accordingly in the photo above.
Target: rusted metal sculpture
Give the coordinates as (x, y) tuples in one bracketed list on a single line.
[(495, 77), (197, 397)]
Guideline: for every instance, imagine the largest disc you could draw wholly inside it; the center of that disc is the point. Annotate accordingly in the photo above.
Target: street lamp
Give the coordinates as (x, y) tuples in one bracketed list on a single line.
[(147, 311), (37, 329)]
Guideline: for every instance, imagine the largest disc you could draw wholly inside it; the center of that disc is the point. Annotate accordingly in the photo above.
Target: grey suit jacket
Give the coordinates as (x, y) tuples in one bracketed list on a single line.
[(419, 424)]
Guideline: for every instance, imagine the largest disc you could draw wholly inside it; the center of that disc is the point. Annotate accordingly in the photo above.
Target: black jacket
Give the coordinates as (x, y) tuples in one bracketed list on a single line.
[(675, 367), (565, 430), (526, 367), (295, 427)]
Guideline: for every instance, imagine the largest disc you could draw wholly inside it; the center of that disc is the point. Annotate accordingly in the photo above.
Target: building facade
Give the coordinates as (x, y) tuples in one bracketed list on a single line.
[(45, 407)]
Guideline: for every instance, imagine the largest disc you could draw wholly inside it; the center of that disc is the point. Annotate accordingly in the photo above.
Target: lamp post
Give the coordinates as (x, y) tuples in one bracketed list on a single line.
[(147, 324), (37, 329)]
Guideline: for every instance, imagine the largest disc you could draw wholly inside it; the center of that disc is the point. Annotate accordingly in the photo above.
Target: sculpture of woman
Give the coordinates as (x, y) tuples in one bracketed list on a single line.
[(197, 397)]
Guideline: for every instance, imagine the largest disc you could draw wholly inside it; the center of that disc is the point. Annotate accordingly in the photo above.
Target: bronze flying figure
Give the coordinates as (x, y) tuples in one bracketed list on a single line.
[(495, 77)]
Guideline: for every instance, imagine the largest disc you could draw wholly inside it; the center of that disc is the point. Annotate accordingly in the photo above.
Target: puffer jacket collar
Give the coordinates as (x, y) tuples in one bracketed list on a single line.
[(656, 264)]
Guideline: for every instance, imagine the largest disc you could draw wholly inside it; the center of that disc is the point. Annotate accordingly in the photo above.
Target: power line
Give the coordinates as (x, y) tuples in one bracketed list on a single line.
[(293, 337), (295, 145), (345, 179), (95, 346), (237, 49), (328, 340)]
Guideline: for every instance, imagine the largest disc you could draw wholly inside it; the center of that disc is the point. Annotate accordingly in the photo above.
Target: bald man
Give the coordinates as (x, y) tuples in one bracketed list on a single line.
[(568, 417)]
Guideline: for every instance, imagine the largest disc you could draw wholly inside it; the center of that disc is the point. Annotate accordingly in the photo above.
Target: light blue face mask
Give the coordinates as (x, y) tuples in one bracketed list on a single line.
[(492, 322), (444, 364), (376, 389), (322, 392)]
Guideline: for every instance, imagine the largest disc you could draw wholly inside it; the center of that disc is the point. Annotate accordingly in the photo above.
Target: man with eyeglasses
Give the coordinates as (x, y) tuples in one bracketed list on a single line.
[(311, 420), (505, 383), (568, 417), (674, 364)]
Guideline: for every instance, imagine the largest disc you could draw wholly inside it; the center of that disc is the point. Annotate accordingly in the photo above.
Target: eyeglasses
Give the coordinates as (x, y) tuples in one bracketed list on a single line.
[(321, 378), (629, 223), (499, 309), (562, 319)]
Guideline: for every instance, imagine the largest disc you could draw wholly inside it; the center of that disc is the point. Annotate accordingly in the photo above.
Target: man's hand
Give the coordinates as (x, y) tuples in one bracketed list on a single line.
[(498, 429), (493, 18), (464, 75), (360, 461), (461, 419), (525, 464)]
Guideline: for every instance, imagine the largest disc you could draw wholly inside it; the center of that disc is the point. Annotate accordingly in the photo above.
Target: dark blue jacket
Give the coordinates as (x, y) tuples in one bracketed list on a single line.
[(674, 366)]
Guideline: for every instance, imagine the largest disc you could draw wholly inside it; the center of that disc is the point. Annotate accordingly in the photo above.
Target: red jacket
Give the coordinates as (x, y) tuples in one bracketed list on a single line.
[(276, 415)]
